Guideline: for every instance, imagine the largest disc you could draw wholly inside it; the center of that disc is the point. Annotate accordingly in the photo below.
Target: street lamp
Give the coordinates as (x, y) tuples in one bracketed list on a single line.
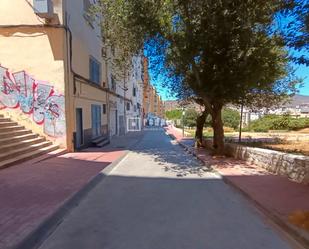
[(183, 121), (240, 124)]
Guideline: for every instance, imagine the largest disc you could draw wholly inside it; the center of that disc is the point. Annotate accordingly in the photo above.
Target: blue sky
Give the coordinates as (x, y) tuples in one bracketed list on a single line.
[(301, 71)]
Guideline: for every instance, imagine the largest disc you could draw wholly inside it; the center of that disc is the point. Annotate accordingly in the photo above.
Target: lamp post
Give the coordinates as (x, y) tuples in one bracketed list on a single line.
[(183, 122), (240, 124)]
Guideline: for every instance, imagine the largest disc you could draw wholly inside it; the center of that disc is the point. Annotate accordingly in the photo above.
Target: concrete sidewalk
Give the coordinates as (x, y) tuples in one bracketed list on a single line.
[(33, 191), (276, 196)]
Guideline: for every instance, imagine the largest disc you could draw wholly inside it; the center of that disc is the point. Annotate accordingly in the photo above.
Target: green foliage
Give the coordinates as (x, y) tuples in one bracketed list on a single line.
[(276, 122), (231, 118), (190, 117), (173, 114)]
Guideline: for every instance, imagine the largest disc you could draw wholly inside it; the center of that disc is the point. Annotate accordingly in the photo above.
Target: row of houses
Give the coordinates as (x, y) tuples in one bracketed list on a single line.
[(55, 78)]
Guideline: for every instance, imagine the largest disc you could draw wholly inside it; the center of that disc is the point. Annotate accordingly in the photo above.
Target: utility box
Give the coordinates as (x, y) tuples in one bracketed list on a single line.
[(43, 8)]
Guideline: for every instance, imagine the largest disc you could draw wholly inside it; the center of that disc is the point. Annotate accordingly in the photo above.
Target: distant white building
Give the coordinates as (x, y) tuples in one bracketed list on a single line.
[(298, 107), (134, 110), (125, 104)]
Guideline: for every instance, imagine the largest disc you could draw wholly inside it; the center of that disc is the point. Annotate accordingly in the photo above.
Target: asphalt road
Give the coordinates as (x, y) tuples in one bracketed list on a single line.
[(159, 197)]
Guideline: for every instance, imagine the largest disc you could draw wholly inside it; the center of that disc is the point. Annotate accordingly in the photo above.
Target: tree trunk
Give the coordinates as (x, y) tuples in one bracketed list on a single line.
[(217, 124), (200, 121)]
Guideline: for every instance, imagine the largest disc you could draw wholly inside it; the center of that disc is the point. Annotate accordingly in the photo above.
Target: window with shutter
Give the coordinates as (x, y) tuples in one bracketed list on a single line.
[(94, 70)]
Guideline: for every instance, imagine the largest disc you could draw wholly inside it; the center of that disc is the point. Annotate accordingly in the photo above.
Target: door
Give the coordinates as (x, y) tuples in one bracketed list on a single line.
[(121, 125), (96, 120), (79, 128), (116, 120)]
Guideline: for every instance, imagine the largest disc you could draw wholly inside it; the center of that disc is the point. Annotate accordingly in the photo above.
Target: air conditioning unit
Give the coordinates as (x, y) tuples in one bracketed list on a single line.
[(44, 8)]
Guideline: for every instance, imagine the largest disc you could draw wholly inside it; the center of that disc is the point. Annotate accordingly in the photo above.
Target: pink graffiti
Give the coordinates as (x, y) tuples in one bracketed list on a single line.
[(9, 92), (26, 86), (43, 92), (33, 97)]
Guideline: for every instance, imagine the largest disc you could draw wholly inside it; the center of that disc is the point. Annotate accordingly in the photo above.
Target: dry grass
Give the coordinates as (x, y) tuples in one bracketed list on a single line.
[(296, 142), (296, 147)]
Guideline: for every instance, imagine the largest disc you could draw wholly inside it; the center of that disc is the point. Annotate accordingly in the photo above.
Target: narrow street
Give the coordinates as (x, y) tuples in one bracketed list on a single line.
[(159, 197)]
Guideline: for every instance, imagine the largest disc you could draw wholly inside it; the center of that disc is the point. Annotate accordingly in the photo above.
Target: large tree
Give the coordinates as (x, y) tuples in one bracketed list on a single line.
[(222, 50)]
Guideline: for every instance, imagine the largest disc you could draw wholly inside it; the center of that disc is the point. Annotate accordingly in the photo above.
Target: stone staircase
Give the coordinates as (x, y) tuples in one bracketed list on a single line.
[(101, 141), (18, 144)]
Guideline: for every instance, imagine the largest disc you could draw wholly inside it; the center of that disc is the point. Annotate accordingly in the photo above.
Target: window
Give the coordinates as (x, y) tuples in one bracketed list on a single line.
[(128, 106), (104, 108), (94, 70), (134, 92)]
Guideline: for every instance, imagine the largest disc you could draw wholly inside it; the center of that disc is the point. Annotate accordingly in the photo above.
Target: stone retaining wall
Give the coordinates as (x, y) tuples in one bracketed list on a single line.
[(295, 167)]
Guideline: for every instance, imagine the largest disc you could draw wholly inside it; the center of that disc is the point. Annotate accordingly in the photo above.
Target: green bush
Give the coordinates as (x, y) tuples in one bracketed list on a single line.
[(276, 122), (173, 114), (190, 117), (230, 117)]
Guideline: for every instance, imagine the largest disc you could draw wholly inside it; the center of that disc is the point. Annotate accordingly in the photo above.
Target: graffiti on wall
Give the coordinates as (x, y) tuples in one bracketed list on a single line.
[(35, 98)]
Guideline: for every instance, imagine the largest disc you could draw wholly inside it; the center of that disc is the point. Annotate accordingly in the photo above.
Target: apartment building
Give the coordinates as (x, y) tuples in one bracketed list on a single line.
[(152, 102), (134, 107), (126, 100), (54, 81)]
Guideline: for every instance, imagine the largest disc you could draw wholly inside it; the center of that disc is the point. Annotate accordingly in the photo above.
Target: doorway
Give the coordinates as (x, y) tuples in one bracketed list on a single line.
[(79, 128), (96, 120)]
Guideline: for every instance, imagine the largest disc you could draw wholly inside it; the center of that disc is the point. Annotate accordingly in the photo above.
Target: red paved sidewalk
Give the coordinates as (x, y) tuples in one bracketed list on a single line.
[(32, 191), (276, 195)]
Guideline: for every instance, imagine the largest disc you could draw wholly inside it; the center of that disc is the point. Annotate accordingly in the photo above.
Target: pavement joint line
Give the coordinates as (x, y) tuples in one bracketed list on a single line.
[(284, 228), (122, 159), (49, 225)]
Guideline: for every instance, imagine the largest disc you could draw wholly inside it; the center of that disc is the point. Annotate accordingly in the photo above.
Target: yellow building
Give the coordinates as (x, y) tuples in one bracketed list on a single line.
[(53, 79), (152, 102)]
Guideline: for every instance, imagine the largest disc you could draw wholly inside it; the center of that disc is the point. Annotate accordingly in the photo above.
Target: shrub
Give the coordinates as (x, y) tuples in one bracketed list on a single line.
[(190, 117), (276, 122), (230, 117)]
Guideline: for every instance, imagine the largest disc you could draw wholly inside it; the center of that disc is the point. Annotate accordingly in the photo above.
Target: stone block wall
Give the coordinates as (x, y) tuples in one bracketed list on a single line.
[(295, 167)]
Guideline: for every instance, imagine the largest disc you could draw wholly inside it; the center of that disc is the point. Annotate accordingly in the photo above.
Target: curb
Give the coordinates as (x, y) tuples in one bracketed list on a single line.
[(46, 227), (285, 227), (277, 220), (49, 224)]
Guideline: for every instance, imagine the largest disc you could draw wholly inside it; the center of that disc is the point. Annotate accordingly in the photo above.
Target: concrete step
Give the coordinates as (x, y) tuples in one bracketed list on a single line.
[(11, 128), (5, 120), (100, 141), (27, 156), (16, 152), (103, 143), (14, 133), (21, 144), (7, 124), (14, 139)]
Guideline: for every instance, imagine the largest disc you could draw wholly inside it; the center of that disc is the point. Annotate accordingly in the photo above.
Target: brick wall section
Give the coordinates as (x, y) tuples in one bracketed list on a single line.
[(295, 167)]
